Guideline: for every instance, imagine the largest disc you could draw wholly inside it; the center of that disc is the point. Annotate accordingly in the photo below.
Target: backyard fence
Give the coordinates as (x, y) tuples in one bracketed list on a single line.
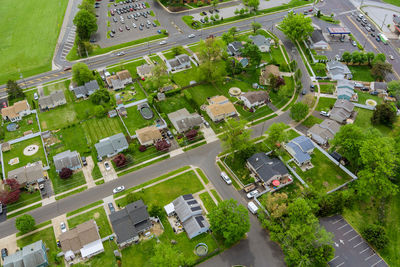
[(364, 106), (294, 172)]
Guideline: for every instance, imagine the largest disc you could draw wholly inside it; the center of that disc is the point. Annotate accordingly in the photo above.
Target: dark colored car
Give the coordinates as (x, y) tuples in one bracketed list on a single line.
[(113, 31), (217, 11), (374, 93), (372, 34), (84, 162), (111, 207), (111, 35), (170, 135), (204, 13), (4, 253), (312, 87), (67, 68), (378, 39)]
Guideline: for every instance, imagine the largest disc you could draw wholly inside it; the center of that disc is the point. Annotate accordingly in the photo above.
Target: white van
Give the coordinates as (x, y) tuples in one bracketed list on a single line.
[(361, 16), (252, 207)]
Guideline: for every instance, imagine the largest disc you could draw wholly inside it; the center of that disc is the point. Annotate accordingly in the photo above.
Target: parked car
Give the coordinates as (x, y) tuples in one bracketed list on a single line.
[(374, 93), (127, 27), (63, 227), (378, 39), (226, 178), (372, 34), (111, 207), (304, 92), (252, 207), (163, 42), (118, 189), (107, 165), (170, 136), (206, 124), (154, 24), (84, 162), (120, 29), (204, 13), (191, 35), (354, 43), (115, 19), (4, 253), (111, 35), (391, 57), (312, 86), (216, 11), (324, 113), (368, 29), (1, 208), (133, 25), (252, 194)]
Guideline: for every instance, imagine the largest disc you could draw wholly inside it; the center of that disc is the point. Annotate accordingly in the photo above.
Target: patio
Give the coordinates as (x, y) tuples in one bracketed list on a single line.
[(279, 183)]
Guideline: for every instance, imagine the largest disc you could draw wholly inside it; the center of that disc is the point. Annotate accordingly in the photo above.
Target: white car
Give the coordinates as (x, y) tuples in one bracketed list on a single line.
[(191, 35), (391, 57), (324, 113), (63, 227), (133, 25), (107, 166), (120, 54), (118, 189), (35, 96), (226, 178), (252, 194), (163, 42)]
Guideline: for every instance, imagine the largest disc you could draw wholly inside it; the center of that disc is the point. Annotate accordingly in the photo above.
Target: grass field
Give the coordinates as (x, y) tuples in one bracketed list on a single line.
[(393, 2), (363, 120), (325, 103), (96, 129), (311, 120), (327, 88), (135, 121), (99, 215), (23, 127), (61, 185), (174, 103), (208, 202), (24, 199), (361, 73), (28, 38)]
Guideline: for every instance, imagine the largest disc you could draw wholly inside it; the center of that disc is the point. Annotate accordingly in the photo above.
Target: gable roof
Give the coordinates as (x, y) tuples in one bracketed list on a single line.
[(324, 131), (186, 206), (14, 110), (260, 40), (111, 145), (130, 221), (256, 96), (380, 86), (31, 255), (234, 47), (124, 74), (52, 99), (144, 69), (221, 109), (66, 159), (267, 167), (218, 99), (148, 134), (317, 36), (183, 120), (76, 238), (338, 67), (195, 224), (300, 146), (27, 174), (342, 110), (183, 58), (86, 89)]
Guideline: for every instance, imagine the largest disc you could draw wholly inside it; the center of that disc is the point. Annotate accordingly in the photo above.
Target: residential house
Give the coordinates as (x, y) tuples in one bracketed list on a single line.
[(234, 48), (338, 71), (261, 42), (85, 90), (148, 135), (317, 40), (125, 77), (55, 99), (17, 111), (342, 110), (144, 71), (267, 169), (380, 87), (178, 63), (189, 213), (243, 61), (166, 88), (323, 132), (112, 113), (183, 120), (111, 146), (345, 90), (129, 222), (115, 83), (300, 148), (220, 108), (266, 74), (67, 159), (253, 99), (28, 174), (32, 255), (84, 239), (122, 111)]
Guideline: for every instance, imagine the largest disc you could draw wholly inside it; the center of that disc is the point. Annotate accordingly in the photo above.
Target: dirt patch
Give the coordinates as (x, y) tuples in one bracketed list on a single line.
[(157, 229), (326, 184), (96, 215), (44, 124), (339, 177)]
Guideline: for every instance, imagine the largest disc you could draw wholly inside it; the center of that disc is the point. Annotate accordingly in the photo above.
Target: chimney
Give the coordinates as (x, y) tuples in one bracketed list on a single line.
[(256, 159)]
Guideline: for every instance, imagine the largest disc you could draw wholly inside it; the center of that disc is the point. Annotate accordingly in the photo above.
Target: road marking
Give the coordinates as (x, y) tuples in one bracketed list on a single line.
[(333, 259), (376, 263), (337, 221), (358, 244), (369, 257), (339, 264), (364, 250), (342, 226), (352, 238), (348, 232)]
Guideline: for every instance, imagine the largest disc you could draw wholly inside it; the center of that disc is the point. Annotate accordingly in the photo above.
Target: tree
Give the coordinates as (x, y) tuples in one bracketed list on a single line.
[(215, 3), (25, 223), (276, 82), (99, 111), (355, 57), (81, 73), (156, 211), (346, 57), (212, 17), (177, 50), (164, 255), (65, 173), (319, 67), (252, 52), (236, 12), (379, 57), (86, 24), (370, 57), (276, 134), (363, 58), (158, 75), (233, 67), (376, 236), (254, 4), (236, 137), (229, 221), (256, 26), (380, 69), (14, 90), (210, 55), (384, 114), (191, 134), (227, 38), (142, 148), (297, 27), (162, 145), (100, 96), (120, 160), (241, 11), (298, 111), (233, 31), (206, 19), (277, 204), (87, 5), (393, 88), (216, 17)]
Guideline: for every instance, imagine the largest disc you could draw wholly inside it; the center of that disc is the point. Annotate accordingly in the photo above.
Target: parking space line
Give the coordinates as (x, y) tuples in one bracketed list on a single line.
[(337, 221), (339, 264), (333, 259), (353, 238), (348, 231), (376, 263), (343, 226), (364, 250), (358, 244), (367, 258)]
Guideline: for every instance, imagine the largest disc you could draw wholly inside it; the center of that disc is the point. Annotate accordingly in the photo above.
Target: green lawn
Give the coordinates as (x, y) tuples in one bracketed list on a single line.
[(99, 215), (208, 202), (393, 2), (17, 151), (202, 175), (311, 120), (174, 103), (363, 97), (58, 86), (61, 185), (47, 236), (135, 121), (249, 116), (57, 118), (325, 175), (96, 173), (183, 78), (361, 73), (327, 88), (131, 67), (280, 99), (28, 38), (291, 134), (23, 127), (325, 103), (106, 258), (25, 199), (363, 120), (215, 194), (98, 128), (165, 192)]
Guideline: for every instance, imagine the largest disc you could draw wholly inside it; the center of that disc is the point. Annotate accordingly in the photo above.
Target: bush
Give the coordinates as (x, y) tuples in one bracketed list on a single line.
[(120, 160), (375, 235), (162, 145), (142, 148), (156, 211), (25, 223), (172, 92), (65, 173), (191, 134)]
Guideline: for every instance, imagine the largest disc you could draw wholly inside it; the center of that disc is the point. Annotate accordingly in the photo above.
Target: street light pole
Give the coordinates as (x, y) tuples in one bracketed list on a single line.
[(383, 21)]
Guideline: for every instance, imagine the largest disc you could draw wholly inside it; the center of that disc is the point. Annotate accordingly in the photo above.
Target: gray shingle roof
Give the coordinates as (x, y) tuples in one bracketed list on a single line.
[(111, 145), (51, 100), (186, 206), (300, 146), (267, 167), (87, 89), (260, 40), (183, 120), (317, 36), (67, 159), (27, 174), (31, 255), (342, 110), (256, 96), (194, 225)]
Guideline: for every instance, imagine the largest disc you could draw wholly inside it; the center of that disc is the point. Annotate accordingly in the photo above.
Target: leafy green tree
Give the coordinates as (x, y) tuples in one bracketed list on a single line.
[(233, 31), (214, 3), (81, 73), (380, 69), (393, 88), (99, 111), (346, 57), (216, 17), (276, 134), (87, 5), (236, 137), (384, 114), (253, 53), (297, 27), (25, 223), (100, 96), (178, 50), (233, 67), (164, 255), (227, 38), (86, 24), (210, 55), (158, 76), (355, 57), (206, 19), (256, 26), (14, 91), (379, 57), (319, 67), (229, 221), (254, 4), (236, 12), (376, 236), (298, 111), (276, 82), (370, 57), (241, 12)]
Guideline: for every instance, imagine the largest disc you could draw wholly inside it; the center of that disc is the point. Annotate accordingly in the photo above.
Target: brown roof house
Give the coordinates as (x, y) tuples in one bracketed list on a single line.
[(84, 239), (144, 71), (183, 120), (266, 72), (220, 108), (114, 83), (124, 76), (148, 135), (16, 111), (55, 99), (253, 99), (28, 174), (323, 132)]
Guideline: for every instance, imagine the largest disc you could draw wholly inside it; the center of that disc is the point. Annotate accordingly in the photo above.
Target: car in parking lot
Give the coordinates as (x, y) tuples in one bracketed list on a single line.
[(111, 207), (372, 34), (120, 29), (141, 28), (203, 13), (106, 164), (324, 113), (358, 19), (115, 19), (63, 227), (154, 25), (252, 194), (163, 42), (191, 35), (368, 29), (127, 27), (133, 25), (4, 253), (118, 189), (226, 178), (148, 22), (111, 35)]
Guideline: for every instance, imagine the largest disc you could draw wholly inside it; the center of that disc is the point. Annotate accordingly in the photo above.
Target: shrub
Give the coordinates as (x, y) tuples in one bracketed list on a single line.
[(162, 145), (376, 236), (191, 134), (65, 173), (142, 148), (120, 160), (25, 223)]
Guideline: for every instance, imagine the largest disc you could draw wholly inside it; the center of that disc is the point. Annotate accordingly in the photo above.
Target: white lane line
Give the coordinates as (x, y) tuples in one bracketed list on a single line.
[(364, 250), (376, 263), (343, 226), (367, 258), (337, 221), (358, 244), (339, 264), (348, 232), (352, 238), (333, 259)]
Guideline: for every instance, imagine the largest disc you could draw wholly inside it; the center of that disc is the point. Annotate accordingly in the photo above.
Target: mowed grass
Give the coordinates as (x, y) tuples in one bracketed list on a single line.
[(23, 127), (96, 129), (29, 34), (135, 121), (363, 120)]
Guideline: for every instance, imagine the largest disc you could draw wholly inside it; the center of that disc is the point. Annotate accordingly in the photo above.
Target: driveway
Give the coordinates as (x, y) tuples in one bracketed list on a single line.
[(87, 172), (56, 222), (108, 175), (10, 243)]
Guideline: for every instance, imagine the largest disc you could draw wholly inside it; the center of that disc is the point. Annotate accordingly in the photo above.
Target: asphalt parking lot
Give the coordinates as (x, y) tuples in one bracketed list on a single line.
[(350, 248), (125, 23)]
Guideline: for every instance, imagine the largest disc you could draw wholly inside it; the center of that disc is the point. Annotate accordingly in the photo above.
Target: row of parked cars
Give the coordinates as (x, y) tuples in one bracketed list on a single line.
[(127, 9), (368, 27)]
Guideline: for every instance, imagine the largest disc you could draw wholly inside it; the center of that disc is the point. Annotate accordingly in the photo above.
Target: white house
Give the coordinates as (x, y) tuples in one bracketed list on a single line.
[(16, 111), (253, 99)]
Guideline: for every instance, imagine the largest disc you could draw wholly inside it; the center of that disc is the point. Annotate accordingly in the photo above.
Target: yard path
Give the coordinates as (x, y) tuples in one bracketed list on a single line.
[(161, 55), (87, 172), (148, 60), (207, 186)]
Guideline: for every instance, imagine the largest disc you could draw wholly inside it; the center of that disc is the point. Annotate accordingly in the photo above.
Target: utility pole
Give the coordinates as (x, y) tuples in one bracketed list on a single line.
[(383, 23)]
